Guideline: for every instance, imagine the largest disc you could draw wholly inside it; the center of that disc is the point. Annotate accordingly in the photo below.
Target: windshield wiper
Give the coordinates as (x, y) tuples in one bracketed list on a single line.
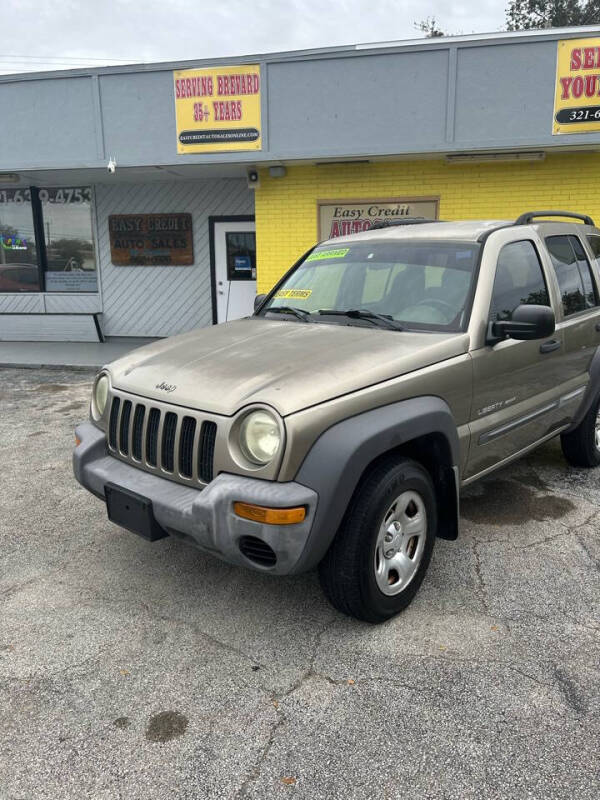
[(299, 313), (383, 320)]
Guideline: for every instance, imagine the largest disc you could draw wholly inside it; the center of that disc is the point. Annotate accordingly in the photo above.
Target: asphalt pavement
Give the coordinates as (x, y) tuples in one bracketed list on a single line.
[(135, 670)]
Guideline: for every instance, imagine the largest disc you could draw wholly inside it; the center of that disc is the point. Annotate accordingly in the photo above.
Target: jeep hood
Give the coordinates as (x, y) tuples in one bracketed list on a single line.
[(287, 365)]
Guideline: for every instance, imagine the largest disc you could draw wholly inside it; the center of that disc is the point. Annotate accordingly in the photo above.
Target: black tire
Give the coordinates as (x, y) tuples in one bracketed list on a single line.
[(348, 570), (579, 446)]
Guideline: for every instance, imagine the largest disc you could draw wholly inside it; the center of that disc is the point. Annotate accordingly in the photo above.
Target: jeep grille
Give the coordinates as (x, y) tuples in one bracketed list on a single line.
[(164, 440)]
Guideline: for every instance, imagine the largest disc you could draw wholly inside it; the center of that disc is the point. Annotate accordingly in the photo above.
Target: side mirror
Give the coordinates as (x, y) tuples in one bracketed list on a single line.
[(528, 322), (258, 301)]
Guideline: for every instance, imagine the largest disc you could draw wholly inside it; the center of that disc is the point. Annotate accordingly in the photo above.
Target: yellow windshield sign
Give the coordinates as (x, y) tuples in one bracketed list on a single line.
[(320, 255), (294, 294)]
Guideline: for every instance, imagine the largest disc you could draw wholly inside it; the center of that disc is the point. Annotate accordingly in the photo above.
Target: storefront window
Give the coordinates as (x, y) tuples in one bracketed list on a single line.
[(46, 241), (70, 257), (18, 254)]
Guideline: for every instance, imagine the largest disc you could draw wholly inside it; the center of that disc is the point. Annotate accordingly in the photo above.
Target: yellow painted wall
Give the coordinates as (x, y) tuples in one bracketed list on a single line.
[(286, 208)]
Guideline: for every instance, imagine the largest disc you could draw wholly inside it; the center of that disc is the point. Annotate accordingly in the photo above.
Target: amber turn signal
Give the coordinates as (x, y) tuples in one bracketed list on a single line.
[(270, 516), (77, 441)]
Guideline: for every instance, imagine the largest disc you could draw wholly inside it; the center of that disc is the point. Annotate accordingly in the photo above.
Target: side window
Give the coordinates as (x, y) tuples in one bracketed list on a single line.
[(589, 290), (594, 243), (519, 280), (572, 272)]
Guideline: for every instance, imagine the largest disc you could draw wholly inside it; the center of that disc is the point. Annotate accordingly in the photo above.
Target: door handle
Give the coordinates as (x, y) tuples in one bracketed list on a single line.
[(549, 346), (598, 327)]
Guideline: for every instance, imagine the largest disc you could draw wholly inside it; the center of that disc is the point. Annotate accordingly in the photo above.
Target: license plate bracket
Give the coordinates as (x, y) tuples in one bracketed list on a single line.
[(132, 511)]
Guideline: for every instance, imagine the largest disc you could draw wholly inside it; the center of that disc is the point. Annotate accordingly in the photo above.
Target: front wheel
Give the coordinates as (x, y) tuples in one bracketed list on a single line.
[(379, 556)]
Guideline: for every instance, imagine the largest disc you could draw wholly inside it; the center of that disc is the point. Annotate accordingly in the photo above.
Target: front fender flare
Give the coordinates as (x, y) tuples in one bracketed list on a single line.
[(340, 456)]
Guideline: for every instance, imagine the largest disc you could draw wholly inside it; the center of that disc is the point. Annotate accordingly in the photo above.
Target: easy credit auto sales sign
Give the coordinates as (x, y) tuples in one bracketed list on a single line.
[(577, 91), (218, 108)]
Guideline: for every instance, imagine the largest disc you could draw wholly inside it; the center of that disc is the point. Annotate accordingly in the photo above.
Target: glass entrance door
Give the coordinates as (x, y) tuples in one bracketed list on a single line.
[(235, 269)]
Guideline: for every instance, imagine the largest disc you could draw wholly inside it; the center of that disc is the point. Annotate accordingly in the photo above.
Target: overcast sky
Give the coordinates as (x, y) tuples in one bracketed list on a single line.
[(44, 35)]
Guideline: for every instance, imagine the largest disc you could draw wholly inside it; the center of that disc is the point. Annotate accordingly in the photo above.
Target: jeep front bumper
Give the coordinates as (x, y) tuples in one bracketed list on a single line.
[(203, 517)]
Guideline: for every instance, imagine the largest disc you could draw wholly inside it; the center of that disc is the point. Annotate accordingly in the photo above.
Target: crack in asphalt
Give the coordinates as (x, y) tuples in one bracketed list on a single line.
[(562, 684), (208, 636), (275, 699), (480, 585), (507, 539), (586, 521), (165, 618), (594, 560), (162, 618), (545, 540), (576, 623), (15, 588)]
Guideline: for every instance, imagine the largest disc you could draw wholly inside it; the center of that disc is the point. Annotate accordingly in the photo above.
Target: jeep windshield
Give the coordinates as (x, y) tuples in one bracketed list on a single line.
[(419, 285)]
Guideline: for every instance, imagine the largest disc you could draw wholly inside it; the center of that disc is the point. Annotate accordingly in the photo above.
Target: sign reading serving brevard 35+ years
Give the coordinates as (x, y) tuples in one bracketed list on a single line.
[(162, 240), (355, 216), (577, 91), (217, 109)]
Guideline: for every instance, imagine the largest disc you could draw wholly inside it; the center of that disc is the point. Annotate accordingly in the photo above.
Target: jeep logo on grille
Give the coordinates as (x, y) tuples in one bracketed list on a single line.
[(166, 387)]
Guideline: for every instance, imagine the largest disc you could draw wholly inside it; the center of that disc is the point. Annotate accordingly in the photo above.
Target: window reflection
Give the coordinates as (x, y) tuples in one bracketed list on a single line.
[(519, 280), (18, 255), (70, 256), (67, 263), (572, 272)]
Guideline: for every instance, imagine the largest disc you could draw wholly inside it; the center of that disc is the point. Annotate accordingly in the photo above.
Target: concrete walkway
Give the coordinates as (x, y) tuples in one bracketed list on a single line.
[(66, 354)]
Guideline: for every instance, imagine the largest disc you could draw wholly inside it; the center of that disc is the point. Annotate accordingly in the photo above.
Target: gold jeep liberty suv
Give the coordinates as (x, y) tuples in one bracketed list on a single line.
[(335, 427)]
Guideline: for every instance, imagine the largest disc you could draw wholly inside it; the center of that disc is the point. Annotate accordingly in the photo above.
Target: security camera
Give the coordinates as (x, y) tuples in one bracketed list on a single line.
[(252, 178), (111, 166)]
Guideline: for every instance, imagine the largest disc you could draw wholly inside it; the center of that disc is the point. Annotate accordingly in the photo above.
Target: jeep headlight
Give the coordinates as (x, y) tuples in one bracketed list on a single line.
[(260, 436), (99, 396)]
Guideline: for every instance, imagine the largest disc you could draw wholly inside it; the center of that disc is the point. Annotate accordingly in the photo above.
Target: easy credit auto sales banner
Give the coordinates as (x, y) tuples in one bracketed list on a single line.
[(355, 216), (577, 91), (217, 109)]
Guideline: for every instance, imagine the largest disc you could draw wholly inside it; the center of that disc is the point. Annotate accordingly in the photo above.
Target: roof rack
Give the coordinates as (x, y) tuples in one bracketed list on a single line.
[(529, 216), (388, 223)]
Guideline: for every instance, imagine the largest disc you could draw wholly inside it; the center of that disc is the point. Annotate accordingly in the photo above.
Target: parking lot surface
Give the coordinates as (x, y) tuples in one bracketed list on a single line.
[(136, 670)]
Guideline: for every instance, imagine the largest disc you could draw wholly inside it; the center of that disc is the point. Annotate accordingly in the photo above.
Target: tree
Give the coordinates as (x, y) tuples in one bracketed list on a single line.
[(528, 14), (429, 27), (67, 254)]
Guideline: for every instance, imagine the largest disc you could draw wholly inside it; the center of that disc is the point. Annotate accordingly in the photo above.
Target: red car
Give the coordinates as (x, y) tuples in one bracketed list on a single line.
[(19, 278)]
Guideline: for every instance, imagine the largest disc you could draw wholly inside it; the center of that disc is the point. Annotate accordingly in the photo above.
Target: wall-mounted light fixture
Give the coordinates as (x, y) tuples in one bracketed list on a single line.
[(277, 171), (482, 158)]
